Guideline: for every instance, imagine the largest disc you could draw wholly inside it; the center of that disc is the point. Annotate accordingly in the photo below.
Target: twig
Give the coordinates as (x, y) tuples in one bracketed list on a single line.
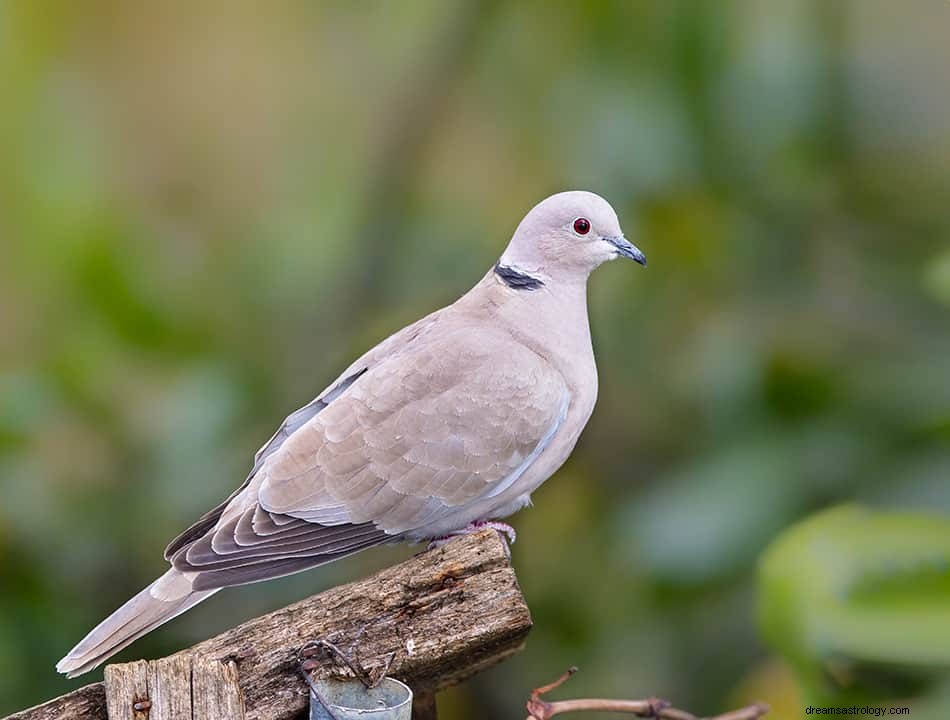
[(539, 709), (309, 658), (323, 649)]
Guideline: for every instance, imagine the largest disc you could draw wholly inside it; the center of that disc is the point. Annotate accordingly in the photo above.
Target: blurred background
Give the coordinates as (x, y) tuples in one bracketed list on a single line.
[(208, 209)]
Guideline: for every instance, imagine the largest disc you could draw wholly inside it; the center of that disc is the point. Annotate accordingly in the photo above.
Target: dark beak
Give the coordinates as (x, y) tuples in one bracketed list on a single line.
[(627, 249)]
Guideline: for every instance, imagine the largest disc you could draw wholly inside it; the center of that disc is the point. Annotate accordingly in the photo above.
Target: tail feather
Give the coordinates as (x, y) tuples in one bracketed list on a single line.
[(168, 596)]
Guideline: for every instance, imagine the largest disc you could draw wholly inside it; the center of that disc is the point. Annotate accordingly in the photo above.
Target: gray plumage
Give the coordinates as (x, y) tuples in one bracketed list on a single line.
[(455, 419)]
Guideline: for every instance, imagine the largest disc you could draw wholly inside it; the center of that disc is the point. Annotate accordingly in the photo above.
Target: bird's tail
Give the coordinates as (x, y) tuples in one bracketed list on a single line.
[(165, 598)]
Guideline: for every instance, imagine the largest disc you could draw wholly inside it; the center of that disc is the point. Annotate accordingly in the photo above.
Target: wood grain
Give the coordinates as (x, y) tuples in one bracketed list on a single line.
[(85, 703), (169, 688), (127, 686), (180, 687), (438, 618), (216, 694)]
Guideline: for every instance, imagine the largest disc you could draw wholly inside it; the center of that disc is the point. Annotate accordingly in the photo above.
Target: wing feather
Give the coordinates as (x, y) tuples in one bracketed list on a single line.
[(450, 423), (406, 438)]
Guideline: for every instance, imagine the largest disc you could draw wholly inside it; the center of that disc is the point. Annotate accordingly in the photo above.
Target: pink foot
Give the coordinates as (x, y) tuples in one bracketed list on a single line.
[(504, 528)]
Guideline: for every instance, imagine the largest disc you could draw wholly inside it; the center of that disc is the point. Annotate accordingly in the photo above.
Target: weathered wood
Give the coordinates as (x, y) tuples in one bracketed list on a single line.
[(439, 618), (86, 703), (215, 691), (174, 688), (127, 695), (169, 688)]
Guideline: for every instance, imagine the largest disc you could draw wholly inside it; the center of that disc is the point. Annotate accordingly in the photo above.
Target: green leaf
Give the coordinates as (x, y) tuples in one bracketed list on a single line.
[(851, 588)]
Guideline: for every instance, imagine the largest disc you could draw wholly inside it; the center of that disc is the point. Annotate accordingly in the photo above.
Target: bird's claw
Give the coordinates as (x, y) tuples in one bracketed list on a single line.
[(504, 529)]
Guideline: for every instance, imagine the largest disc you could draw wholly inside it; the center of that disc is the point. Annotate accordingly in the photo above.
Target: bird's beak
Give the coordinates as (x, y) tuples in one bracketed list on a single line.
[(627, 249)]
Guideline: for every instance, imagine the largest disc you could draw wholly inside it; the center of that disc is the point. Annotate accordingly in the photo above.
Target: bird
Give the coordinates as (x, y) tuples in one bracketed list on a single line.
[(446, 426)]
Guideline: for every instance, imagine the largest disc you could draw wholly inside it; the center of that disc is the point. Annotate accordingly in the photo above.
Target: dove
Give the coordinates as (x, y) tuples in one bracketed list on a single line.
[(446, 426)]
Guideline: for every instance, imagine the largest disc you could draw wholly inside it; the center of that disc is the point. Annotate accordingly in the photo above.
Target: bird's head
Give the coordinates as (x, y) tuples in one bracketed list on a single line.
[(568, 235)]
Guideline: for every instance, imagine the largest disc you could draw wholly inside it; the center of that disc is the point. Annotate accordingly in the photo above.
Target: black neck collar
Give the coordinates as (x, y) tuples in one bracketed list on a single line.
[(517, 279)]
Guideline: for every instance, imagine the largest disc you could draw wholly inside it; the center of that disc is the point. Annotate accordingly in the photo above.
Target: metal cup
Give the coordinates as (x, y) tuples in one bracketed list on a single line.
[(351, 700)]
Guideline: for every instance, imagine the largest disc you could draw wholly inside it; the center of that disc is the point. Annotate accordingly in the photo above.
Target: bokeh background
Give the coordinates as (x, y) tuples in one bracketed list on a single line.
[(207, 209)]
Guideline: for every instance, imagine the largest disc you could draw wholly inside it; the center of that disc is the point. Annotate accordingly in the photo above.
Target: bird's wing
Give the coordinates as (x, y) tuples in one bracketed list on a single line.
[(387, 348), (445, 425), (452, 419)]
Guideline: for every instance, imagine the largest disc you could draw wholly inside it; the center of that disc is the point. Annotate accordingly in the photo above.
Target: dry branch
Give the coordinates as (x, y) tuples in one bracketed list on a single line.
[(441, 616), (539, 709)]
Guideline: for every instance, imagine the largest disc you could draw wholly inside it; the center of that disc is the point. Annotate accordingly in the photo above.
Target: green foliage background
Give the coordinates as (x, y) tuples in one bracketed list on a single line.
[(207, 209)]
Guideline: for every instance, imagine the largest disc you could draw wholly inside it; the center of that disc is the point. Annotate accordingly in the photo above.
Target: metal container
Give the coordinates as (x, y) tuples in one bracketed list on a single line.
[(351, 700)]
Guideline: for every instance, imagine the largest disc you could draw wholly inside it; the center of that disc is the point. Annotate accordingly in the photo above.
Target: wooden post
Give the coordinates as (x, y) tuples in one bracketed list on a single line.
[(179, 687), (436, 619), (215, 691), (423, 706)]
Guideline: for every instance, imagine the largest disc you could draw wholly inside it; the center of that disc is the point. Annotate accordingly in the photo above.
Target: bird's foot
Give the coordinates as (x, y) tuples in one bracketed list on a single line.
[(503, 528)]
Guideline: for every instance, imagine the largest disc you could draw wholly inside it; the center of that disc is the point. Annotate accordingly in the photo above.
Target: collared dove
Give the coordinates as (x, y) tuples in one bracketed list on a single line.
[(448, 424)]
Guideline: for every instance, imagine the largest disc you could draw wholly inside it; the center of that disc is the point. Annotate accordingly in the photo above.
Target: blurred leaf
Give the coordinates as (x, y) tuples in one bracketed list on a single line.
[(774, 680), (937, 277), (852, 591), (795, 389), (689, 528)]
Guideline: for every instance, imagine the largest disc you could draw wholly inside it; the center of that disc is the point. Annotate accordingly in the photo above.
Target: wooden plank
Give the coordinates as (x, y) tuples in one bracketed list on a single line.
[(437, 618), (127, 691), (86, 703), (169, 688), (216, 694), (440, 617), (165, 689)]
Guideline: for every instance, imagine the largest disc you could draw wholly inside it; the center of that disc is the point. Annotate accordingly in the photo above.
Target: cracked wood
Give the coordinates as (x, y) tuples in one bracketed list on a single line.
[(442, 616)]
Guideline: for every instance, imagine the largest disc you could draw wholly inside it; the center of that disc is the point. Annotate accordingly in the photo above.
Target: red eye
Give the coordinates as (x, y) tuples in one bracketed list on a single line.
[(582, 226)]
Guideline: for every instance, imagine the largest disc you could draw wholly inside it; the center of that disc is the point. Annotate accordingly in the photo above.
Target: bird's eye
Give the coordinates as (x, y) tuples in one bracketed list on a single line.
[(582, 226)]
